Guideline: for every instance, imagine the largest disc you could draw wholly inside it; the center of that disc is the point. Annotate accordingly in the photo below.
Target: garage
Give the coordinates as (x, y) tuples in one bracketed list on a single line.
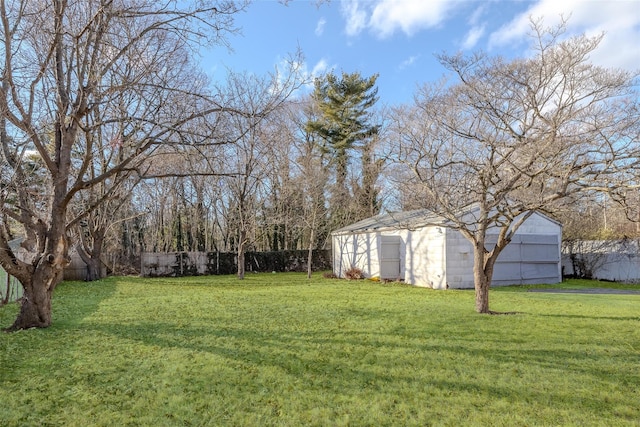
[(418, 248)]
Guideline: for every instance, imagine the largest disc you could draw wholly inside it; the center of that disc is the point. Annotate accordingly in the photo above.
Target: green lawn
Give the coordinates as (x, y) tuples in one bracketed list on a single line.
[(277, 349)]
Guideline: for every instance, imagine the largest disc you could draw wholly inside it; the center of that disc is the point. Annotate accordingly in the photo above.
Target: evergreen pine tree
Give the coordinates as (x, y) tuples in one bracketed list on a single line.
[(344, 125)]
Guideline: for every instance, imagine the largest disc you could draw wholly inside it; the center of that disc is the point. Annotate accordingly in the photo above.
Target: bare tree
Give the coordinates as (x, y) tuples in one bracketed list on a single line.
[(93, 211), (314, 179), (281, 203), (513, 137), (60, 62), (247, 158), (92, 227), (311, 168)]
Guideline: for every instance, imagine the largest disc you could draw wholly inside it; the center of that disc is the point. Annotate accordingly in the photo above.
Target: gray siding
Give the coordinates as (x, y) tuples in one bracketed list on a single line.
[(529, 259)]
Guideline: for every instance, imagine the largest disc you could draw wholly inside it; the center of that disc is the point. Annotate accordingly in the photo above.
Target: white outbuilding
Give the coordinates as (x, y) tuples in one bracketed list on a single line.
[(417, 248)]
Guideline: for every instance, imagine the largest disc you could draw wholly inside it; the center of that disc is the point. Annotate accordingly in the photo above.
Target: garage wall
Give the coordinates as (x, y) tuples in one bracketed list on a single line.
[(426, 257), (529, 259), (421, 254), (365, 251), (356, 250), (532, 257), (441, 258)]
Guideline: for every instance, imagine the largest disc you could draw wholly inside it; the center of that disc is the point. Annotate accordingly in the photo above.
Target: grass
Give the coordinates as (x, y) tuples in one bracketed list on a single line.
[(278, 349), (575, 284)]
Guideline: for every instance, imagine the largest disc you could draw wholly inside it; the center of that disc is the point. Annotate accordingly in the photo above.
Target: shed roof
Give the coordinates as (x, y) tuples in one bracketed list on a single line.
[(394, 220), (407, 220), (16, 243)]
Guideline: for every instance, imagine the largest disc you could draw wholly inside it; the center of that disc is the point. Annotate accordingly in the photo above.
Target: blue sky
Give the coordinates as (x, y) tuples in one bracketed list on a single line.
[(398, 38)]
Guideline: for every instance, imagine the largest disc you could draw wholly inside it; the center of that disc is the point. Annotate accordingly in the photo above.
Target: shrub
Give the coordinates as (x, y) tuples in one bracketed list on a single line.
[(329, 275), (354, 273)]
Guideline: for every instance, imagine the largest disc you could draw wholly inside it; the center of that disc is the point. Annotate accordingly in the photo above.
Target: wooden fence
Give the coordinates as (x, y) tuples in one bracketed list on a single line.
[(77, 269), (175, 264), (10, 288), (613, 260)]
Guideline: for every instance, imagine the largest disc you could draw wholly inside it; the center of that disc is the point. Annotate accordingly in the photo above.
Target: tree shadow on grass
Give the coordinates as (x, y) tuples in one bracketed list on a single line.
[(591, 317), (72, 302), (27, 355), (356, 362), (75, 301)]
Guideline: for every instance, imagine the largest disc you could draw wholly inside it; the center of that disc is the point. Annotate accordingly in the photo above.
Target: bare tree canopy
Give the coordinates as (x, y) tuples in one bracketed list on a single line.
[(511, 137), (89, 89), (255, 143)]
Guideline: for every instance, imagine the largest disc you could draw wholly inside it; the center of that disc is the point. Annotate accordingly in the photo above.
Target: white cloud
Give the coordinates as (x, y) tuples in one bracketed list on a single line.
[(385, 17), (477, 14), (473, 36), (320, 68), (619, 20), (477, 29), (408, 15), (408, 62), (320, 27), (308, 76), (355, 16)]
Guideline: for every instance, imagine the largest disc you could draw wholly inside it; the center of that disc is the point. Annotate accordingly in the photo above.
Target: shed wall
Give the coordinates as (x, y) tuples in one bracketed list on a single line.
[(426, 257), (529, 259), (356, 250), (422, 255), (440, 258), (459, 263), (364, 251), (532, 257)]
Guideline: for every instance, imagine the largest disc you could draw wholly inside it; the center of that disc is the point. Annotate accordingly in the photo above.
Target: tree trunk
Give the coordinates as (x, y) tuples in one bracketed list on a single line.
[(310, 263), (94, 270), (35, 305), (481, 285), (310, 256), (241, 242), (40, 279), (482, 275), (92, 259)]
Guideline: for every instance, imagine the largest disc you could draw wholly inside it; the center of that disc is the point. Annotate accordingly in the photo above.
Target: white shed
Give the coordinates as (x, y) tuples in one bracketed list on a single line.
[(410, 246)]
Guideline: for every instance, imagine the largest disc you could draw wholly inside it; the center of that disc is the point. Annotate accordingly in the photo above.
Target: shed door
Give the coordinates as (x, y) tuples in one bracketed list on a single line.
[(390, 257)]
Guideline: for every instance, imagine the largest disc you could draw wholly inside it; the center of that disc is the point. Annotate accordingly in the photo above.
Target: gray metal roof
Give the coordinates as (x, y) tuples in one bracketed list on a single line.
[(14, 244), (395, 220), (407, 220)]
